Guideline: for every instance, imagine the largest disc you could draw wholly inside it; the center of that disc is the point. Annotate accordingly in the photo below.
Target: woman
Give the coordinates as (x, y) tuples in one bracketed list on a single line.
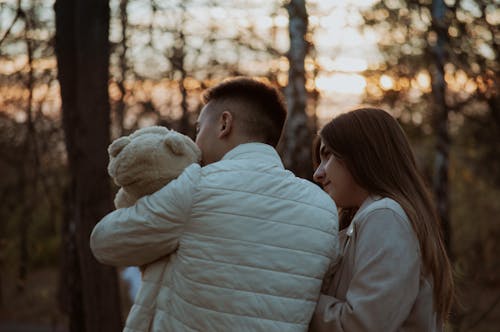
[(394, 274)]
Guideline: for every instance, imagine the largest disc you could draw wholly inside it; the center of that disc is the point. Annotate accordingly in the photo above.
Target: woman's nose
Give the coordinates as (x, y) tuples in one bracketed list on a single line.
[(318, 174)]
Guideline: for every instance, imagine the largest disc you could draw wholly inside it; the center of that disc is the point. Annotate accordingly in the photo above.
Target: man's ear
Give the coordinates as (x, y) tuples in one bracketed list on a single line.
[(225, 124)]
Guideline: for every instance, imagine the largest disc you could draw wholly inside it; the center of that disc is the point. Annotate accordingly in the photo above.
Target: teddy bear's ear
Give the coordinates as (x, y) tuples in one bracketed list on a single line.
[(118, 145), (175, 143)]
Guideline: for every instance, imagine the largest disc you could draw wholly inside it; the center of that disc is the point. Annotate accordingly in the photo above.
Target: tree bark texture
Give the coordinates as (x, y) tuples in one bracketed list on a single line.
[(82, 50), (123, 67), (441, 165), (297, 137)]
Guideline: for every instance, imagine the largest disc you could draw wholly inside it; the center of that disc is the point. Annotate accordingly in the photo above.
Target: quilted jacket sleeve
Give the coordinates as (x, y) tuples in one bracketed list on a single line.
[(385, 279), (148, 230)]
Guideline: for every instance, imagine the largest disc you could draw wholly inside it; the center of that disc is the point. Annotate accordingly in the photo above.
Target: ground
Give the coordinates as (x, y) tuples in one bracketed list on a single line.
[(36, 309)]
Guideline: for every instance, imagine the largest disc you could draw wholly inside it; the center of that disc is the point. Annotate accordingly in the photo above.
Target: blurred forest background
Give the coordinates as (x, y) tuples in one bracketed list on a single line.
[(76, 74)]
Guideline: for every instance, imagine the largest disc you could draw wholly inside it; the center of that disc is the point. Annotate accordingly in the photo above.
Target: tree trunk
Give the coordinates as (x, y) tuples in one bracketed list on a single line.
[(178, 61), (70, 283), (24, 224), (82, 50), (440, 182), (297, 138), (178, 66), (28, 181), (123, 66)]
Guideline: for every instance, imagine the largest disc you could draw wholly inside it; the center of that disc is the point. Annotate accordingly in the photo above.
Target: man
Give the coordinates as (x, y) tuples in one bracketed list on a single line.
[(249, 242)]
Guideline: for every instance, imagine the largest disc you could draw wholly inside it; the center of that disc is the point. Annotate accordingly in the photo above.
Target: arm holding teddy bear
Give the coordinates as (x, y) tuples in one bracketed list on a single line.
[(146, 227)]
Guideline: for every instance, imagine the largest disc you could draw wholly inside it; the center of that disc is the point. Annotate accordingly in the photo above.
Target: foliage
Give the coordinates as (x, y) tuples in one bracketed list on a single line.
[(31, 147), (164, 54), (402, 79)]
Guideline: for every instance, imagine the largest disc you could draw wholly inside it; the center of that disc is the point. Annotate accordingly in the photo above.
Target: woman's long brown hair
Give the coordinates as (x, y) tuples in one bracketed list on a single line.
[(376, 151)]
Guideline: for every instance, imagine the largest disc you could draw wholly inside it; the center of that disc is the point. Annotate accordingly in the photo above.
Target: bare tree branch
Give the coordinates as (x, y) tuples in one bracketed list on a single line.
[(19, 13)]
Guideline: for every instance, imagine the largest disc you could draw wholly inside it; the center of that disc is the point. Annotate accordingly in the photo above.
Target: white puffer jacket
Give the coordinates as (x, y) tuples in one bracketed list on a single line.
[(248, 245)]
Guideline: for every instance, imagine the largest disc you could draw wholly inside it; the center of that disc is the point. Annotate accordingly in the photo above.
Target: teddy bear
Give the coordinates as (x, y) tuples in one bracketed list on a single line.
[(141, 164), (147, 160)]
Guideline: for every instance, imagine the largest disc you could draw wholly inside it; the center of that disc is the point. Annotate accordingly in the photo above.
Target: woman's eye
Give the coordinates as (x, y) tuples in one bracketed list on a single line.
[(325, 155)]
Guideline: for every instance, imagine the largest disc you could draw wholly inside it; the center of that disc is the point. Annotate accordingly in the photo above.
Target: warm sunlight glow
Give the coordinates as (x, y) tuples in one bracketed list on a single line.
[(339, 35), (386, 82), (342, 54), (282, 79), (333, 20), (20, 117), (458, 81), (351, 64), (345, 64), (310, 85), (13, 65), (191, 84), (493, 15), (423, 81), (265, 22), (283, 64), (281, 21), (341, 83)]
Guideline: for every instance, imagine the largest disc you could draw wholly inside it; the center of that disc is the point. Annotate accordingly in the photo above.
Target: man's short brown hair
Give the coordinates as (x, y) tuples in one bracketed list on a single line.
[(261, 106)]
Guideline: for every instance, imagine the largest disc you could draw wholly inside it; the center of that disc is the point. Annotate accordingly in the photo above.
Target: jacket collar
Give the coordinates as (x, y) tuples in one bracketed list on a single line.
[(254, 151)]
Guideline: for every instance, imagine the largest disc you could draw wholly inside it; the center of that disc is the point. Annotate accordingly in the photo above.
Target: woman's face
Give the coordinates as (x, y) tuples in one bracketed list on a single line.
[(337, 181)]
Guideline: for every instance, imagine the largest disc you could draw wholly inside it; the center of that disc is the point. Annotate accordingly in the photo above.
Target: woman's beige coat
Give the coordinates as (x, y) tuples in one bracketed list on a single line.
[(379, 284)]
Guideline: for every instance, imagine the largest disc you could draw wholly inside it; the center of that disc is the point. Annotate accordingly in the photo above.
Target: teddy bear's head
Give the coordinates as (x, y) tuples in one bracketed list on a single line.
[(148, 159)]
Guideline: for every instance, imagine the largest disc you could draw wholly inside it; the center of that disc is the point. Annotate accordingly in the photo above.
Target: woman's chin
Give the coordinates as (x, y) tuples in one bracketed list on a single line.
[(329, 190)]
